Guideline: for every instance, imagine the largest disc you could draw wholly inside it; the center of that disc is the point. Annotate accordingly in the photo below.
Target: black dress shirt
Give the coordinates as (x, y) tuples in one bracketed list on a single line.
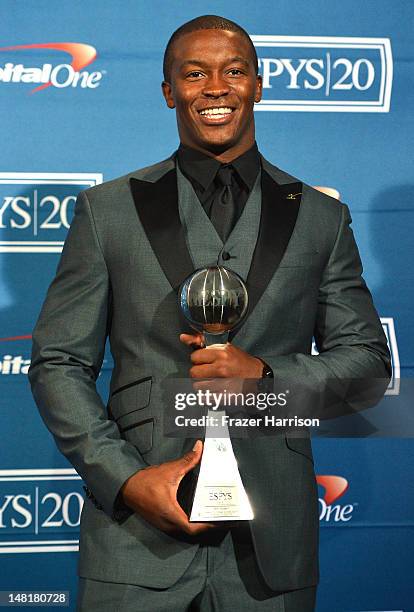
[(201, 171)]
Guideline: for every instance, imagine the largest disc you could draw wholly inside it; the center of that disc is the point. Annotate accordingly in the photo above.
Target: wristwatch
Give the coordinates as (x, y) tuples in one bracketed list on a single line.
[(263, 384), (267, 371)]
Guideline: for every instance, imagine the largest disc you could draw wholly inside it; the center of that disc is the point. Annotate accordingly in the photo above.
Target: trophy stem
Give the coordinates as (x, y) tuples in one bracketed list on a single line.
[(216, 339)]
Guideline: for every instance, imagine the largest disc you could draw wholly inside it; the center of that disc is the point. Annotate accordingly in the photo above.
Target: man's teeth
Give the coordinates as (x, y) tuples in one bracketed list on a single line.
[(216, 111)]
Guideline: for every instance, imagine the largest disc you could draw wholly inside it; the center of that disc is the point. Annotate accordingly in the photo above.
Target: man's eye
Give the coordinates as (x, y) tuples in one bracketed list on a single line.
[(235, 71), (195, 74)]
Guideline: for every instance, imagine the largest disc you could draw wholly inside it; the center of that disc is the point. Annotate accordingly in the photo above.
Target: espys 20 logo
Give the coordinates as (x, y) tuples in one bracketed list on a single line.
[(325, 73), (36, 209), (40, 510), (60, 76)]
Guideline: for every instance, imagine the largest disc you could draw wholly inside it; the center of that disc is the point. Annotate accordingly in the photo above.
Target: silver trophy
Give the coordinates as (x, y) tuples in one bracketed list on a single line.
[(214, 300)]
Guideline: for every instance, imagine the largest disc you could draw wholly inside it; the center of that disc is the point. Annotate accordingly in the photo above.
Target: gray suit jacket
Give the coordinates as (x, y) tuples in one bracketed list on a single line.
[(124, 257)]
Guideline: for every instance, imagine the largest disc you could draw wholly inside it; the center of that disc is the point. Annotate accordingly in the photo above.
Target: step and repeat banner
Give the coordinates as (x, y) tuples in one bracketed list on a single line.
[(81, 103)]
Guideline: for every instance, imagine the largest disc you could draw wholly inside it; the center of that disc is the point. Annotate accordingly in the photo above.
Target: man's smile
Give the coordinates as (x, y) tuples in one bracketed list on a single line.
[(216, 114)]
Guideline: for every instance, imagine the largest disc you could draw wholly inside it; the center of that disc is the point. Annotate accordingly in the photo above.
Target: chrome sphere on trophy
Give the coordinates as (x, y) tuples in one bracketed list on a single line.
[(214, 300)]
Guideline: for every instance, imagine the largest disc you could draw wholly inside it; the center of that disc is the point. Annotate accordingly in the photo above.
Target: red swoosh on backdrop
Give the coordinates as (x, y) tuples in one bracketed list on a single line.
[(335, 487), (82, 55), (15, 338)]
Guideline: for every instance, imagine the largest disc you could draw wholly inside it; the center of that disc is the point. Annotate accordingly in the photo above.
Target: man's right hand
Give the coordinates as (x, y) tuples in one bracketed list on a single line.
[(152, 493)]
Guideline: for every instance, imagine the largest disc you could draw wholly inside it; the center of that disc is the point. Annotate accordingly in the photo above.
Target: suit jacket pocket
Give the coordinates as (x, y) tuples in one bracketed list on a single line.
[(140, 434), (300, 445), (130, 398)]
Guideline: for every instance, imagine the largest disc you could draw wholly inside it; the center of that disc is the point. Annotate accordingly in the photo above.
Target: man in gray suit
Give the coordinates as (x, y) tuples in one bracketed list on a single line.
[(131, 244)]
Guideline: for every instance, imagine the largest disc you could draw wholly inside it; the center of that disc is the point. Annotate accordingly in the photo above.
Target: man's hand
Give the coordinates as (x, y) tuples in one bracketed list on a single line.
[(152, 493), (231, 362)]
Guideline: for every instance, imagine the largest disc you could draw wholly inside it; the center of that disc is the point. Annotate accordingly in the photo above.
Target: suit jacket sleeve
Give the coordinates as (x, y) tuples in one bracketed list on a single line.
[(353, 365), (68, 349)]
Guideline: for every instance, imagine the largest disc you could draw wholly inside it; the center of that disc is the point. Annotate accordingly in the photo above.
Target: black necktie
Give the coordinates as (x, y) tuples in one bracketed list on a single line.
[(223, 208)]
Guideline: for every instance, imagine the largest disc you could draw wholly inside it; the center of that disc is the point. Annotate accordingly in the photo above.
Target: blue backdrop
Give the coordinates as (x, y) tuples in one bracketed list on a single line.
[(337, 112)]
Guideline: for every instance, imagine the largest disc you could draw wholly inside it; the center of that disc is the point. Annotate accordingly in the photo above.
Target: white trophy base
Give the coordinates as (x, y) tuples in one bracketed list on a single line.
[(219, 494)]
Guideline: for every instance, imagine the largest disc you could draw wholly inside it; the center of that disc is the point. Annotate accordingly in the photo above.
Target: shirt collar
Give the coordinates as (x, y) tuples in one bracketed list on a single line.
[(202, 168)]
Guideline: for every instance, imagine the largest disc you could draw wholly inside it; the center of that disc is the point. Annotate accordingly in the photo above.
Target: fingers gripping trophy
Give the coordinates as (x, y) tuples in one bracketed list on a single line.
[(214, 300)]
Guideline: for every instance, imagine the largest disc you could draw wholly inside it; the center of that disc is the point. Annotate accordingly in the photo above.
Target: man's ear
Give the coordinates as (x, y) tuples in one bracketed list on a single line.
[(167, 93), (259, 88)]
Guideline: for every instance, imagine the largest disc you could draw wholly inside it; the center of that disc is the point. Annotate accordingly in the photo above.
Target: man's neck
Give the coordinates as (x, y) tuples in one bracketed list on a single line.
[(226, 156)]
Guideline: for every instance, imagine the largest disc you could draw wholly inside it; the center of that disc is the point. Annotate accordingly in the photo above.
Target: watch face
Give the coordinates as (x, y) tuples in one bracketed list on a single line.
[(267, 371)]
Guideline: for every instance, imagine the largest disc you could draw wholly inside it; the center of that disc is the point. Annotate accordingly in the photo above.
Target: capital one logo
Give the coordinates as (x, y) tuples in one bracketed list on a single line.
[(330, 511), (61, 75), (16, 362), (36, 209), (324, 73), (13, 364)]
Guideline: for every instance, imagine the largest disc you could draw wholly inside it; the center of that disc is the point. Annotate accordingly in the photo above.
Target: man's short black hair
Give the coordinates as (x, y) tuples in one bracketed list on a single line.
[(204, 22)]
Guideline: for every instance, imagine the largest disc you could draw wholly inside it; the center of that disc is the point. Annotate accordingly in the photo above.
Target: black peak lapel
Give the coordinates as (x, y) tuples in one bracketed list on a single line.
[(157, 207), (280, 208)]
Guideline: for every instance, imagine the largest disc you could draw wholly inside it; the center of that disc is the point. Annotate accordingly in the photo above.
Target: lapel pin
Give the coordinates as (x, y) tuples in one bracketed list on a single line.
[(293, 196)]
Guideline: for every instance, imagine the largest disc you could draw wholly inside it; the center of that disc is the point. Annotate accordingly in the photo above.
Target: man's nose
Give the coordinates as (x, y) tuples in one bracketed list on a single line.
[(215, 87)]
